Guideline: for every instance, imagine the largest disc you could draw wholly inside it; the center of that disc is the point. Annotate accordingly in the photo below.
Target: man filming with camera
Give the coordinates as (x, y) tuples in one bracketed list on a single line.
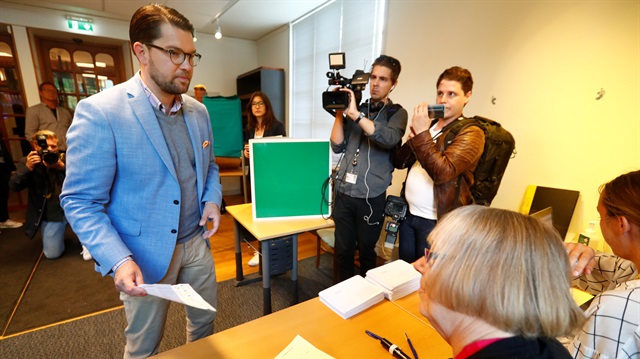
[(43, 171), (365, 135)]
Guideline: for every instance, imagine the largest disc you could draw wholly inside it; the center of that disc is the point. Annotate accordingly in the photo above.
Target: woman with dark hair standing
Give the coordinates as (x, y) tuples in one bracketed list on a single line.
[(261, 123)]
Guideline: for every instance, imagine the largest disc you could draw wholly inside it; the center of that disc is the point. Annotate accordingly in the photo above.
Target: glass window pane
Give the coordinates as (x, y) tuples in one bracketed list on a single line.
[(64, 82), (5, 51), (60, 59), (80, 84), (71, 102), (84, 62), (90, 81), (105, 65)]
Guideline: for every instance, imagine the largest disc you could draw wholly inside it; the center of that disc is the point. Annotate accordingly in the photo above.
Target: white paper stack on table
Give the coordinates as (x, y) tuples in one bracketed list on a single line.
[(351, 296), (397, 279)]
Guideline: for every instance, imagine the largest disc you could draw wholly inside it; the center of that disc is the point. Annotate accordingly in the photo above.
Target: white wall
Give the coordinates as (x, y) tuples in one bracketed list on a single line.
[(273, 51), (544, 62)]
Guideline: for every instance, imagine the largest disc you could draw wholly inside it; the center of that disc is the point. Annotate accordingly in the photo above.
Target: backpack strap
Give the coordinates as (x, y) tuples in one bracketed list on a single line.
[(454, 128)]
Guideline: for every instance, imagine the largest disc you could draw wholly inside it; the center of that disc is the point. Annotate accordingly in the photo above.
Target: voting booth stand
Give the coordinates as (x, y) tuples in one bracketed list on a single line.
[(289, 179)]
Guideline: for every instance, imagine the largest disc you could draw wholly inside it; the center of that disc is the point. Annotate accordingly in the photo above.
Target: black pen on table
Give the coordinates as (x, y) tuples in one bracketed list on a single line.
[(392, 348), (413, 350)]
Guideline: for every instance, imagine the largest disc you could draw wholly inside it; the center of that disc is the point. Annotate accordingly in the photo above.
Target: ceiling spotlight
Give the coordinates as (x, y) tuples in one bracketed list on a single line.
[(218, 34)]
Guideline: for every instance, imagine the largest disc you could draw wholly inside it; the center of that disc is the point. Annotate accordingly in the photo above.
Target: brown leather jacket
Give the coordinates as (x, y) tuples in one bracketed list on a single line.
[(445, 166)]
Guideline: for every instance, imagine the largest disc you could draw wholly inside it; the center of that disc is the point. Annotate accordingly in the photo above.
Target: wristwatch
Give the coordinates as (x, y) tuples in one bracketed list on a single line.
[(360, 117)]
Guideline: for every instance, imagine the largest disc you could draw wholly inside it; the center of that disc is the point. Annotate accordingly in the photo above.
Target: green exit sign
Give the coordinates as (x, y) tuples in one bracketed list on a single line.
[(80, 25)]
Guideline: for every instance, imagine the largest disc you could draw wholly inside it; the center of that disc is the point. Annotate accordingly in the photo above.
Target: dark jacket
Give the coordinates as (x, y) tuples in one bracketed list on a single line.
[(44, 186), (276, 129), (523, 348), (445, 166)]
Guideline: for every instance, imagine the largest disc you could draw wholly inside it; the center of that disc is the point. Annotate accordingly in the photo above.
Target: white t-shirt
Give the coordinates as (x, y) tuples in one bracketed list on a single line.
[(419, 188)]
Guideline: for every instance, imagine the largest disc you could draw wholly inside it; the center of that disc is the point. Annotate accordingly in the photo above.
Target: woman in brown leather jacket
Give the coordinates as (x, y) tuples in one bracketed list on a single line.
[(431, 185)]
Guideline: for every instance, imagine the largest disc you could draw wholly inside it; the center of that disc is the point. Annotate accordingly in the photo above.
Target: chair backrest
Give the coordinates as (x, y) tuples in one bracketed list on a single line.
[(226, 122)]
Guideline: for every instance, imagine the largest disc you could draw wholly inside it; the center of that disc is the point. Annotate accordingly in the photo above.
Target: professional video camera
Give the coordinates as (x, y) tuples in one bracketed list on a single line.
[(48, 157), (396, 208), (339, 100)]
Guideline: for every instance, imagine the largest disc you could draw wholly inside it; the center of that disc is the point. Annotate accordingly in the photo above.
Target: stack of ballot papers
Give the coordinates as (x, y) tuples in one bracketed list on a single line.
[(351, 296), (397, 279)]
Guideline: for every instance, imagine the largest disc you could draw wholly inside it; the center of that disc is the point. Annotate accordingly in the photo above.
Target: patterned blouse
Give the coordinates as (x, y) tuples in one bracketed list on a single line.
[(612, 329)]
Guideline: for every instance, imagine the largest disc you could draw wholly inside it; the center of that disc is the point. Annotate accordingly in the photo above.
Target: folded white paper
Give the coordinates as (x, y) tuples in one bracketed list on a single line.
[(180, 293), (351, 296), (397, 278)]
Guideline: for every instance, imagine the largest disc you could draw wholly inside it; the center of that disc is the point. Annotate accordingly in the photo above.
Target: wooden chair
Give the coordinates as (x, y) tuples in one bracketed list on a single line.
[(325, 242), (234, 167)]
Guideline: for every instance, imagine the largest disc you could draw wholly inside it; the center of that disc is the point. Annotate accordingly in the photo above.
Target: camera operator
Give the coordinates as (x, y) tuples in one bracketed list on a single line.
[(431, 185), (365, 135), (43, 171)]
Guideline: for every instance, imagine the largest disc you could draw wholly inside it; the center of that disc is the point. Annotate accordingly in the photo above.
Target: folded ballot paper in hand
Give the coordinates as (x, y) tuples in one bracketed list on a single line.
[(180, 293), (397, 279), (351, 296), (392, 281)]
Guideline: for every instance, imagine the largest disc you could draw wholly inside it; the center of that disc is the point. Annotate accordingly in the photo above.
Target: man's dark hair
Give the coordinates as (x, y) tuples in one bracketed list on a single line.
[(146, 22), (392, 63), (42, 85), (457, 73)]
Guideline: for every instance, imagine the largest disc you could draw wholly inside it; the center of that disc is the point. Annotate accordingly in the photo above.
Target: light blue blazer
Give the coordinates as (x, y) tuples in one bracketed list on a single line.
[(121, 194)]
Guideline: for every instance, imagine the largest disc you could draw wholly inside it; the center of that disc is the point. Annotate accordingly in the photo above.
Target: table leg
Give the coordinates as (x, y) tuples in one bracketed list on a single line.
[(294, 270), (237, 228), (266, 277)]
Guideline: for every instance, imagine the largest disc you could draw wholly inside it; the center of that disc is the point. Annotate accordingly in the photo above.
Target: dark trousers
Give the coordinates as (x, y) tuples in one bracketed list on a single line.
[(414, 231), (352, 230)]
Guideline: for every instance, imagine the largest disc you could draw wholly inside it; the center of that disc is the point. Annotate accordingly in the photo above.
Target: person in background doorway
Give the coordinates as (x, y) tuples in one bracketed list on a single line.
[(261, 123), (199, 92), (612, 329), (43, 174), (48, 115), (143, 190), (525, 305), (436, 175)]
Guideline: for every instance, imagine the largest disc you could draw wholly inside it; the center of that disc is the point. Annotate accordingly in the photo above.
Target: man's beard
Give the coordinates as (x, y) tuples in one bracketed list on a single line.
[(166, 85)]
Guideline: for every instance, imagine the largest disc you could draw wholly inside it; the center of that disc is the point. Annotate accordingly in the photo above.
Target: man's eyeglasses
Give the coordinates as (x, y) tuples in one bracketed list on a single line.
[(177, 56), (257, 104)]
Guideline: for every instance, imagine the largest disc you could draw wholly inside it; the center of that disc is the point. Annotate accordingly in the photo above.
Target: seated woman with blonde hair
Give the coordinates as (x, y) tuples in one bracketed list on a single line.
[(495, 284)]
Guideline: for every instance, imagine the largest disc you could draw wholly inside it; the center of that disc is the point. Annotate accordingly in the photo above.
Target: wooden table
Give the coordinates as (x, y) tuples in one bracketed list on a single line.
[(267, 336), (265, 231)]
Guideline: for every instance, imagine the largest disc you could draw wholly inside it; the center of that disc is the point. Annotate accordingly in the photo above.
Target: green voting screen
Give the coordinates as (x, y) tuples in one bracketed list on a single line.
[(288, 177)]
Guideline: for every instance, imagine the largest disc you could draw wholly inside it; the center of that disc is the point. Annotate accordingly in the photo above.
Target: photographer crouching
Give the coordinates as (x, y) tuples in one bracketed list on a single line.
[(43, 171)]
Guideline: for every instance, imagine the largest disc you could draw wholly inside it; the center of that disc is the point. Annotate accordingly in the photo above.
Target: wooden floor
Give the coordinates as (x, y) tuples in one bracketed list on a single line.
[(223, 249), (222, 246)]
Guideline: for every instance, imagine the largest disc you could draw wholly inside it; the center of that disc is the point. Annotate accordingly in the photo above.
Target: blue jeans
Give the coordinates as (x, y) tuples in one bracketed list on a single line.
[(414, 231), (53, 238)]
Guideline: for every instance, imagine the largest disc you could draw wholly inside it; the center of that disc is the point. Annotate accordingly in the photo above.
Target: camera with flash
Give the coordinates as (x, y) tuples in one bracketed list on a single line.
[(339, 100)]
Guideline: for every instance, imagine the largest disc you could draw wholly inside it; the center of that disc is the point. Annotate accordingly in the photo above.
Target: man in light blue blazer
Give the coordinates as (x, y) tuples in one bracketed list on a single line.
[(142, 180)]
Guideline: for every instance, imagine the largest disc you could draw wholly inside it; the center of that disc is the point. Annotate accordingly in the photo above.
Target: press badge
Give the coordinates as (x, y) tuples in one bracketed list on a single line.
[(351, 178)]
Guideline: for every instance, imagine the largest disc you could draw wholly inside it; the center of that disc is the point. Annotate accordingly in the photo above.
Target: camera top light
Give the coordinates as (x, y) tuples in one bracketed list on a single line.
[(337, 61)]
